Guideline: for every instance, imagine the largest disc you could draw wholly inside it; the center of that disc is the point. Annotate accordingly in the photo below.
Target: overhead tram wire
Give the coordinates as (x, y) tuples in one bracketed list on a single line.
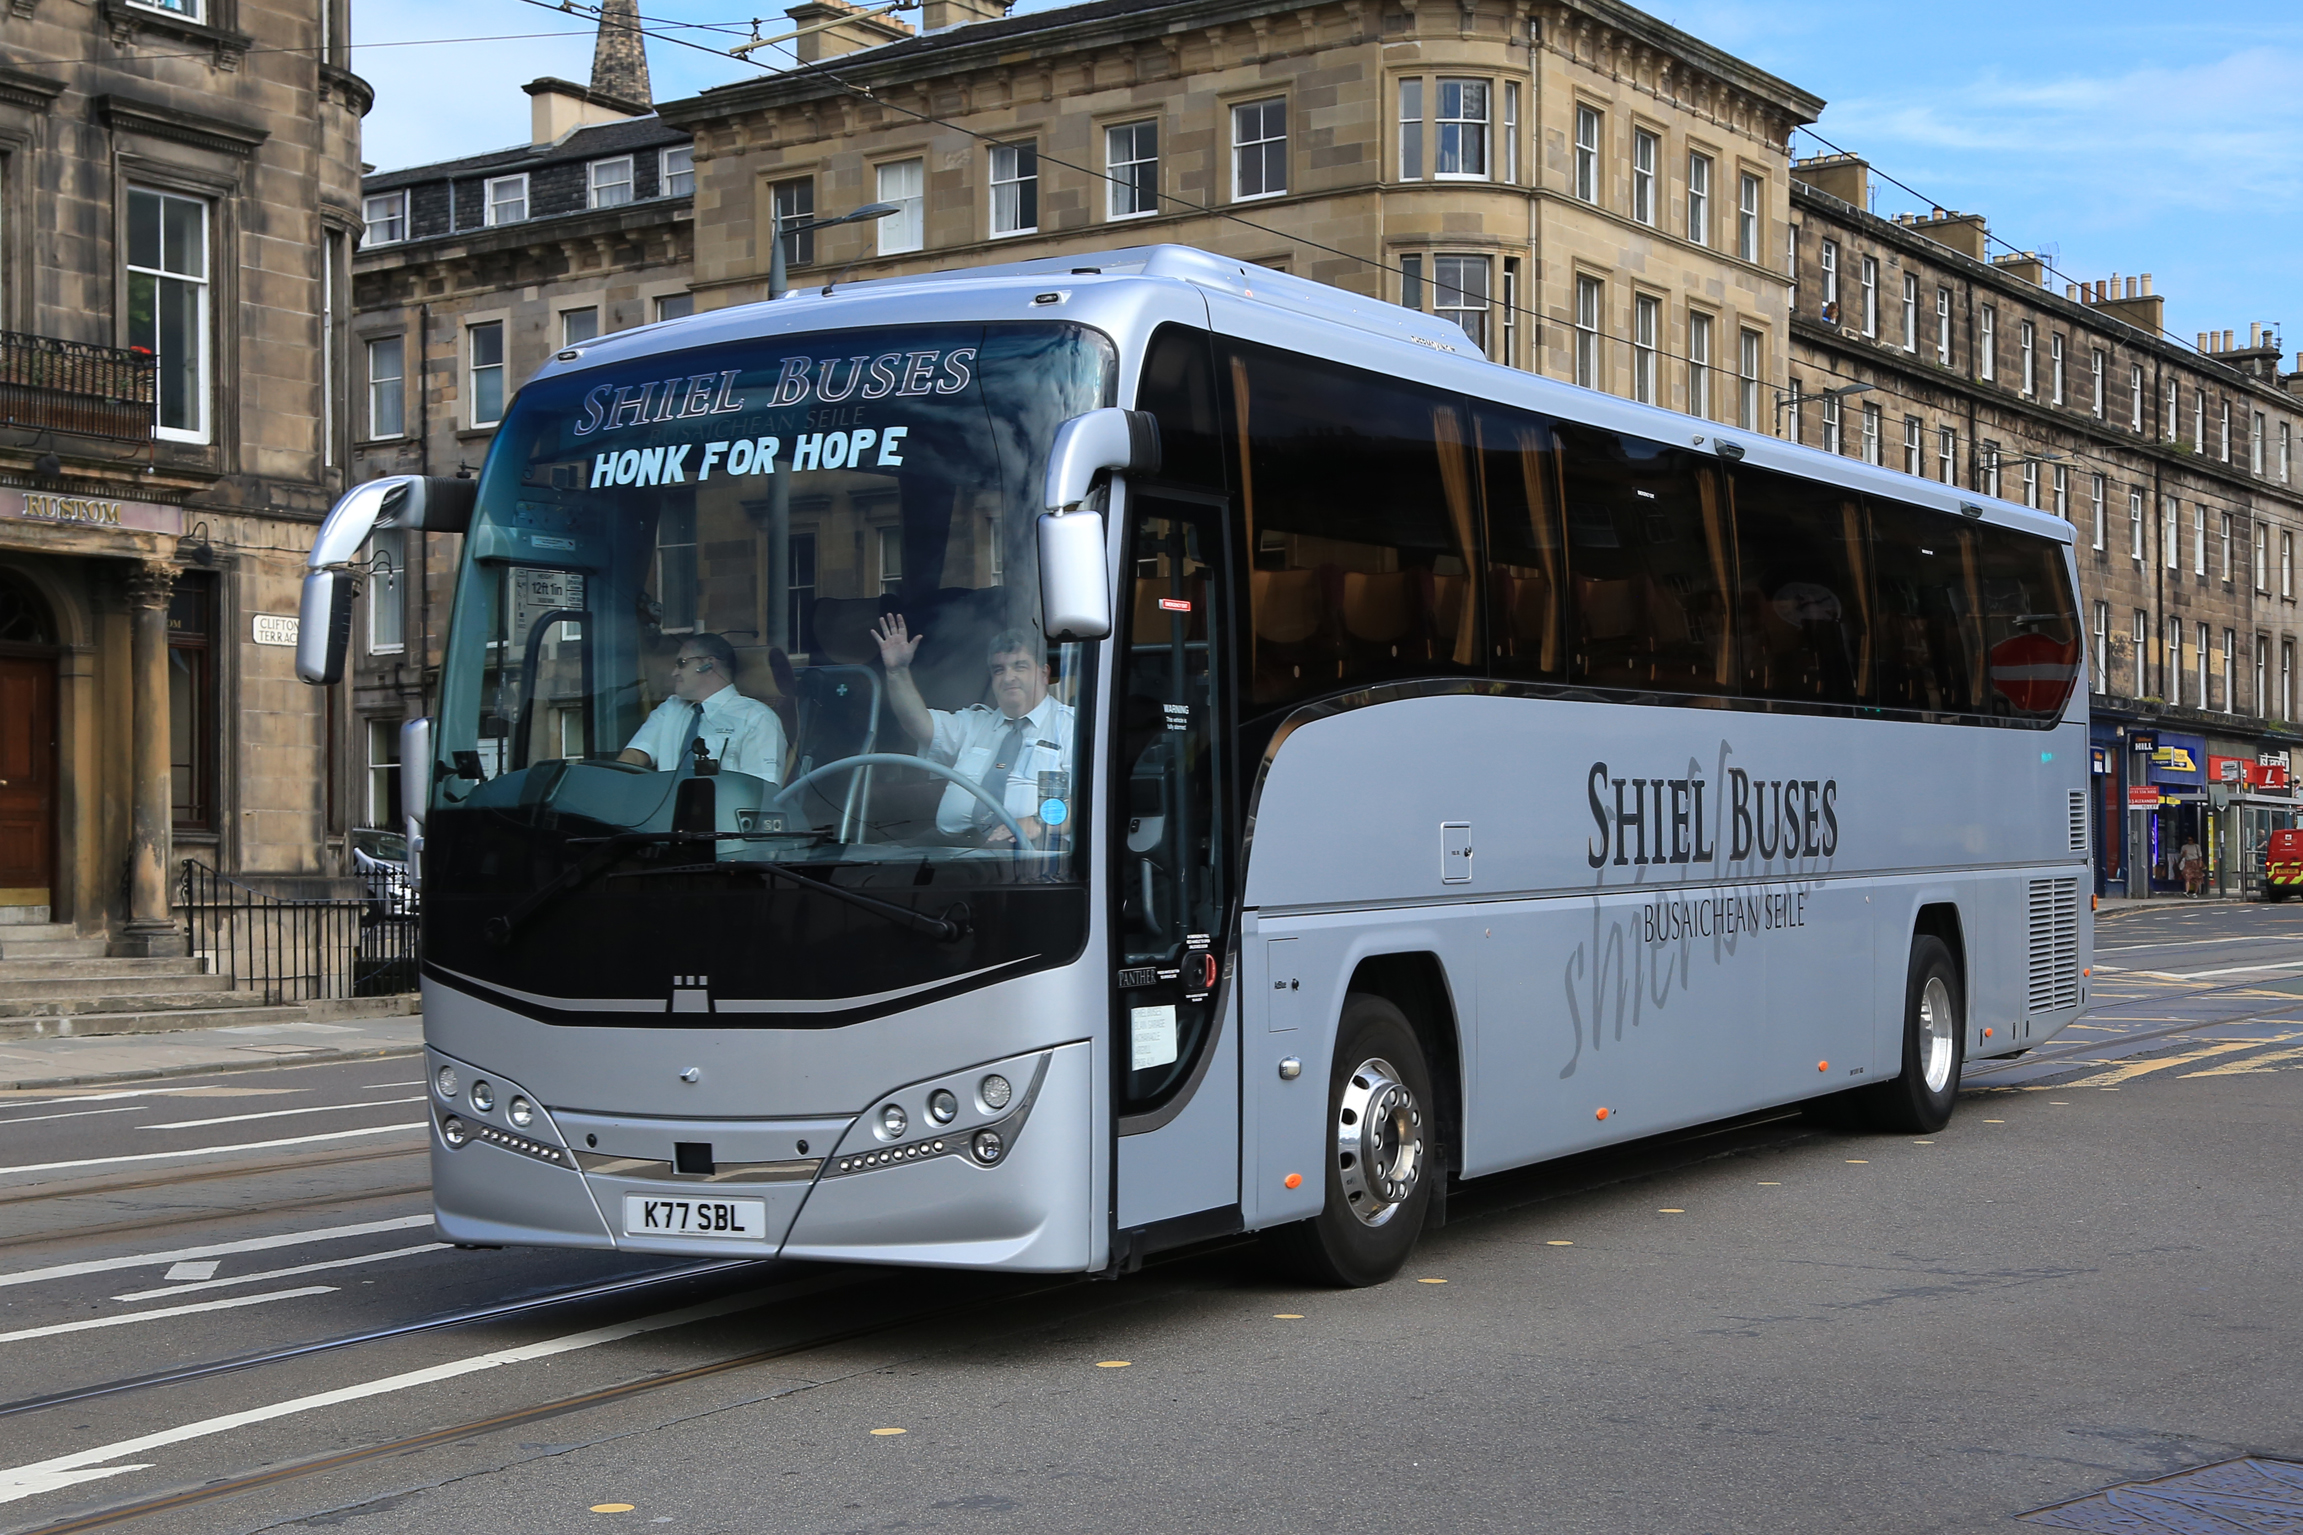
[(819, 69), (2012, 249)]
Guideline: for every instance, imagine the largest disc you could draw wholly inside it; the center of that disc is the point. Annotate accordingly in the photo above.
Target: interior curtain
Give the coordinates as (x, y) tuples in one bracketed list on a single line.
[(1715, 537), (1859, 566), (1535, 465), (1455, 477)]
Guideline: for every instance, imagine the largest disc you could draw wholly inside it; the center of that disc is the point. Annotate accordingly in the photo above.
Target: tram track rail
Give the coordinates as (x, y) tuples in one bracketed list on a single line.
[(27, 1193), (186, 1374)]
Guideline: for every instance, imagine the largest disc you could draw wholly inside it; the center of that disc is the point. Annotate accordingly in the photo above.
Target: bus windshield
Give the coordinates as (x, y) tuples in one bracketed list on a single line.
[(686, 579)]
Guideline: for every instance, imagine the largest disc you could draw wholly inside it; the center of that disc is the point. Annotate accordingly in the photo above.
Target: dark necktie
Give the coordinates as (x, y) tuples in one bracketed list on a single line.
[(995, 779), (695, 738)]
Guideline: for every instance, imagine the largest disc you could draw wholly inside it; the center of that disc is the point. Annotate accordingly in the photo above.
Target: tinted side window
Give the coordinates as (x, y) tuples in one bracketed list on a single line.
[(1803, 589), (1973, 618), (1649, 556), (1178, 386), (1526, 570), (1354, 492)]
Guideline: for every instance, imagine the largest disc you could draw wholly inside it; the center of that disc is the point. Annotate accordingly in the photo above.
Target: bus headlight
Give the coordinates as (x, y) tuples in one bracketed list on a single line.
[(483, 1096), (988, 1146), (453, 1132), (943, 1108), (893, 1120), (522, 1111), (446, 1082), (995, 1092)]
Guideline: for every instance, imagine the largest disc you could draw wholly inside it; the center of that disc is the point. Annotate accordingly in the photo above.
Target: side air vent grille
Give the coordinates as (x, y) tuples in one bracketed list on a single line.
[(2052, 978), (2079, 821)]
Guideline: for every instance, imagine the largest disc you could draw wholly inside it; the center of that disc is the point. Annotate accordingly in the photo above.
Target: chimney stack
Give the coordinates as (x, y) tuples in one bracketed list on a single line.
[(620, 56)]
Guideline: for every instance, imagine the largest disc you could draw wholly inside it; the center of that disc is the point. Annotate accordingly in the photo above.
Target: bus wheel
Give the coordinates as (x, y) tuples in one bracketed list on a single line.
[(1379, 1164), (2273, 892), (1934, 1046)]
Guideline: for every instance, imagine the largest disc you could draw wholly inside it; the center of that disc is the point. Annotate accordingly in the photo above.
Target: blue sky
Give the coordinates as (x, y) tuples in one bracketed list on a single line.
[(2114, 136)]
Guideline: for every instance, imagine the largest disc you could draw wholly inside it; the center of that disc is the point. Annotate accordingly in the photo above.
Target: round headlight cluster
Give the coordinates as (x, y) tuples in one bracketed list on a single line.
[(483, 1096), (523, 1112), (454, 1131), (995, 1092), (893, 1120), (943, 1108), (988, 1146), (446, 1081)]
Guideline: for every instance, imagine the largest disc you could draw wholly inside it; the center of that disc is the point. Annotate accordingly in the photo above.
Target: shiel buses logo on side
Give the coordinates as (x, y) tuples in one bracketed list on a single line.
[(1677, 820)]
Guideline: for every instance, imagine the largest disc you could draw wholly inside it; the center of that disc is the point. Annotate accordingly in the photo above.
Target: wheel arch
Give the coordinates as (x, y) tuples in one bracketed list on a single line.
[(1940, 920), (1415, 982)]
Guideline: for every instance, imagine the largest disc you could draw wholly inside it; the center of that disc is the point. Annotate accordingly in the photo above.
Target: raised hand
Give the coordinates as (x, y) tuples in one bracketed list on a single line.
[(897, 645)]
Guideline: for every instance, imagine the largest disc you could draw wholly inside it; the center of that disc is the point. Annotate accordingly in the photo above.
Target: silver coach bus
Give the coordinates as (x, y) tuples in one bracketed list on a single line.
[(1026, 767)]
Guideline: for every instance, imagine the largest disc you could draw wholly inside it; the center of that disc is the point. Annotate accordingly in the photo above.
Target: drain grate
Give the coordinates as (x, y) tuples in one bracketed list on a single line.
[(2238, 1497)]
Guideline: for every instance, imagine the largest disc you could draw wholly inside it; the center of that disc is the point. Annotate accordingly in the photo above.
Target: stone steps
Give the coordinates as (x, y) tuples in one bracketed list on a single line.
[(47, 940), (76, 987), (148, 1022), (99, 967)]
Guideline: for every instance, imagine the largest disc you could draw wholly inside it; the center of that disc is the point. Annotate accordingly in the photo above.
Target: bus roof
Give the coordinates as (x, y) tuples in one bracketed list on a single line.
[(1442, 354)]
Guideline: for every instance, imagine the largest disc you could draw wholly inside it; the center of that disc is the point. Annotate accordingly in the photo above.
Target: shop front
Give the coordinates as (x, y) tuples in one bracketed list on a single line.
[(2178, 829), (2253, 782)]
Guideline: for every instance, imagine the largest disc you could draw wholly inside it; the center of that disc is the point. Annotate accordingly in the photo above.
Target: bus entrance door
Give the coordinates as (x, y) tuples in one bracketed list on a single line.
[(1176, 1100)]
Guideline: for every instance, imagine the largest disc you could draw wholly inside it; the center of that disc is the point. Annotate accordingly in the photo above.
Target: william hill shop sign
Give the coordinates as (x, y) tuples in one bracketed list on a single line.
[(94, 513)]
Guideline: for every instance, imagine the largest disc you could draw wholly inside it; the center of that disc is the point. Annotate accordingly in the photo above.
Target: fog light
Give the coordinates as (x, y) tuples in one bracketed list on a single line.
[(522, 1111), (483, 1096), (943, 1108), (893, 1120), (446, 1081), (988, 1146), (995, 1091), (452, 1131)]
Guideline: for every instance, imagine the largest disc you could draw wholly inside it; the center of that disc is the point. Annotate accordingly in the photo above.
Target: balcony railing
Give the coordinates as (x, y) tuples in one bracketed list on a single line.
[(69, 386)]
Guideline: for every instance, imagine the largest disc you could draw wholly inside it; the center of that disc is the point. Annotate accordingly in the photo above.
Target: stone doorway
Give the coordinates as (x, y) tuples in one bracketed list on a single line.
[(27, 755)]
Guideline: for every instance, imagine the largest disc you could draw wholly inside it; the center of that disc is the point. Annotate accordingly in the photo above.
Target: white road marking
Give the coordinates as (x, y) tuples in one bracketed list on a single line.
[(2190, 943), (2202, 975), (301, 1268), (132, 1092), (190, 1268), (165, 1311), (377, 1086), (129, 1108), (209, 1151), (233, 1119), (213, 1250), (64, 1470)]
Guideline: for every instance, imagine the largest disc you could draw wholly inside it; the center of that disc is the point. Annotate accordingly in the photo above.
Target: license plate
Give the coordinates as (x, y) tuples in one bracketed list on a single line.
[(647, 1216)]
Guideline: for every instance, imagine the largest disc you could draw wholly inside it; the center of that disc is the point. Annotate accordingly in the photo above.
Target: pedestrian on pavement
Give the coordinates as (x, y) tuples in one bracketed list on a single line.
[(2193, 863)]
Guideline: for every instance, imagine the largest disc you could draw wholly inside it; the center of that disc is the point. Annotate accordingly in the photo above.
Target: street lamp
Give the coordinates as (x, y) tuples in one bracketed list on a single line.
[(784, 231)]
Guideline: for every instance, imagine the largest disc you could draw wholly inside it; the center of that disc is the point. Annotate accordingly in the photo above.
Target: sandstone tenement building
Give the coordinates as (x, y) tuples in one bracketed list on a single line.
[(179, 194)]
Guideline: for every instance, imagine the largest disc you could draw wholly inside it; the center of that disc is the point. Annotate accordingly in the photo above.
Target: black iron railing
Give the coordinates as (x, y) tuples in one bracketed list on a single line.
[(69, 386), (304, 950)]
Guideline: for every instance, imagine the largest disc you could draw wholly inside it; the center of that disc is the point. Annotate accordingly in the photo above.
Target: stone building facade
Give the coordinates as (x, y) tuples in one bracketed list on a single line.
[(1587, 190), (472, 273), (2176, 465), (179, 194)]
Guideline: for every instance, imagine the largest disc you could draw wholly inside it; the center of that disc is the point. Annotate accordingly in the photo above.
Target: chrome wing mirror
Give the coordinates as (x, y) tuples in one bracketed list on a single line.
[(1075, 578), (429, 503)]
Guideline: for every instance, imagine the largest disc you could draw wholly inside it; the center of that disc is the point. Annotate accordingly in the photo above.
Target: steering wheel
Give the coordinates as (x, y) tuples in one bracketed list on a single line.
[(897, 759)]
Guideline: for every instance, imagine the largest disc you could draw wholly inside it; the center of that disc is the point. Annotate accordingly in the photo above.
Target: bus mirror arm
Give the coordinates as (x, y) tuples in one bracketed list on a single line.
[(415, 779), (1111, 439), (424, 503)]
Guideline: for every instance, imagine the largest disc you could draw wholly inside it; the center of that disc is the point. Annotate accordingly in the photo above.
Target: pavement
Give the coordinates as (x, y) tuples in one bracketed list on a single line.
[(223, 1309), (96, 1059)]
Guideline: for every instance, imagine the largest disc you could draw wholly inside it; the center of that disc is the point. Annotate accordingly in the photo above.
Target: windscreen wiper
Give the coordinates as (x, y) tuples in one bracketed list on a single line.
[(948, 928)]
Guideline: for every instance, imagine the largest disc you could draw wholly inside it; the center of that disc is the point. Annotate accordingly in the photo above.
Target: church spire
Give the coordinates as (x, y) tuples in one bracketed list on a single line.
[(620, 58)]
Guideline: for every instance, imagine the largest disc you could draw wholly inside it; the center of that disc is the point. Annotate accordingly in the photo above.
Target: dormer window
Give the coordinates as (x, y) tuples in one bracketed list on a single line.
[(611, 182)]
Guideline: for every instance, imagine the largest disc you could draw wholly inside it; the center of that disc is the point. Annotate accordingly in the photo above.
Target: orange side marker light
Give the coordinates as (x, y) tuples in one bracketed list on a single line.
[(1293, 1180), (1602, 1113), (1822, 1065), (1986, 1033)]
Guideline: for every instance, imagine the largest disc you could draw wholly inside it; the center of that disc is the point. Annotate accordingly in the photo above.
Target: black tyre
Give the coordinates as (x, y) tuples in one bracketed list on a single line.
[(1920, 1100), (1379, 1155), (2273, 892)]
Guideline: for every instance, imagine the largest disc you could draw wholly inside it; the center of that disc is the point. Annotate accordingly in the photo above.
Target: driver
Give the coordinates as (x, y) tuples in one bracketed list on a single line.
[(743, 733), (1003, 749)]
